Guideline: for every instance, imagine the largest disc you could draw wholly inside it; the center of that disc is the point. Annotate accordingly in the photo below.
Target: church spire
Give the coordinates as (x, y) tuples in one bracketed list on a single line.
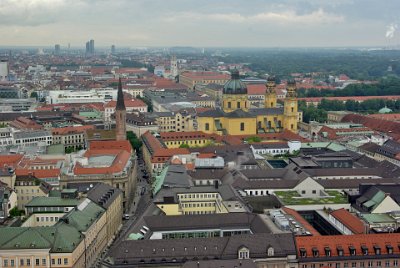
[(120, 97), (120, 115)]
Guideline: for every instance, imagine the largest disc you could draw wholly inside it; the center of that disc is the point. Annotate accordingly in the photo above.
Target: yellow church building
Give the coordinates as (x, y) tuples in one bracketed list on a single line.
[(235, 117)]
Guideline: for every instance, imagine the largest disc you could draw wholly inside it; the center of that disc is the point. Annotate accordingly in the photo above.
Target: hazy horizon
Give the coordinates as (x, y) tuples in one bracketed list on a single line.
[(201, 23)]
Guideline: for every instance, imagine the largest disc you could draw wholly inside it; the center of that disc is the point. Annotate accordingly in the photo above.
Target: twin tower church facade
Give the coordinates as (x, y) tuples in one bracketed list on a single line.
[(236, 117)]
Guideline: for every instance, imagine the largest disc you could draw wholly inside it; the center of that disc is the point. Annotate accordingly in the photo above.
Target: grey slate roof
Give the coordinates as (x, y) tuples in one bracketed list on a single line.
[(207, 221), (177, 176), (103, 194), (266, 111), (130, 252)]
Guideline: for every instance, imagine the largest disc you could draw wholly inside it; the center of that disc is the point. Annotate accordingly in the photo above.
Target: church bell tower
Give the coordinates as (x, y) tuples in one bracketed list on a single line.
[(120, 114)]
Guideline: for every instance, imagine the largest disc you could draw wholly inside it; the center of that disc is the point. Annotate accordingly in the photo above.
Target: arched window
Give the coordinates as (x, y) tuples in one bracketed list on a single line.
[(270, 251)]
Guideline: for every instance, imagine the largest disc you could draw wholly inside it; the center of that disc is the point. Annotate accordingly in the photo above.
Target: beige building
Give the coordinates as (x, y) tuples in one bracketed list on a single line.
[(72, 232), (182, 121), (71, 137), (191, 79), (75, 240), (29, 187), (109, 162)]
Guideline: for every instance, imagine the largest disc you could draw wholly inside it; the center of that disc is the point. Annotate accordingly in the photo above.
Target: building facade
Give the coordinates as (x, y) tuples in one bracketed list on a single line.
[(237, 118)]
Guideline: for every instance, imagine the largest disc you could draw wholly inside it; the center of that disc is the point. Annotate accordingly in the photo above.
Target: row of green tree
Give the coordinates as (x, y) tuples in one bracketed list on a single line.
[(312, 113), (357, 64), (385, 87)]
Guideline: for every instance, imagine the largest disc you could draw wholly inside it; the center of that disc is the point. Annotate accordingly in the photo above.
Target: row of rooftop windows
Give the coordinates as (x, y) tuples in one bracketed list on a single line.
[(362, 264), (352, 251)]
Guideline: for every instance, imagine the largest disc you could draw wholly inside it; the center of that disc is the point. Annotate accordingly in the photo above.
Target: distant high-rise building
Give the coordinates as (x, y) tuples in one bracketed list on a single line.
[(57, 49), (87, 48), (113, 49), (92, 46)]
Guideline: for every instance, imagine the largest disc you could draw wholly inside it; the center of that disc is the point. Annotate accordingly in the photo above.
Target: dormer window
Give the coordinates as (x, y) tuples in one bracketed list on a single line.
[(389, 249), (364, 250), (377, 250), (339, 251), (303, 252), (327, 251), (352, 251), (270, 251), (315, 252), (243, 253)]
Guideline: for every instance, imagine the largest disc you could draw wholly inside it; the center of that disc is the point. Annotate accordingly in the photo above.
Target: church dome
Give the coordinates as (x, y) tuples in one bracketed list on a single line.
[(385, 110), (234, 85)]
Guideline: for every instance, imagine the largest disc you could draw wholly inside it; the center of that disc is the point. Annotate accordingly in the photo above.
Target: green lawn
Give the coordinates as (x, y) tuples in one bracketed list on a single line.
[(294, 198)]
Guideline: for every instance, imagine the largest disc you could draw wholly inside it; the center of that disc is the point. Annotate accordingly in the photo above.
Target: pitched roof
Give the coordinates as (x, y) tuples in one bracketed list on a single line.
[(120, 145), (10, 159), (181, 250), (207, 221), (353, 223), (256, 89), (333, 242), (39, 173), (128, 103)]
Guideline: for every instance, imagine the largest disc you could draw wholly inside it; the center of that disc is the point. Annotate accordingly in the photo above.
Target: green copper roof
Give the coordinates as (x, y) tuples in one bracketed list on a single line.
[(64, 236), (234, 85), (52, 202), (385, 110)]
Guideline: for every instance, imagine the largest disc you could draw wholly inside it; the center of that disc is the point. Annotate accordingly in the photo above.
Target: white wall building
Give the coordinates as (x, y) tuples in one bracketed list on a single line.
[(87, 96)]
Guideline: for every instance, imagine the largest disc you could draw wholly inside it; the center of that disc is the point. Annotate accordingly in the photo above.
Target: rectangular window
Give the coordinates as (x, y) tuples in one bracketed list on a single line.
[(53, 261), (12, 263), (65, 261), (43, 262), (241, 126), (5, 263), (21, 262), (59, 260)]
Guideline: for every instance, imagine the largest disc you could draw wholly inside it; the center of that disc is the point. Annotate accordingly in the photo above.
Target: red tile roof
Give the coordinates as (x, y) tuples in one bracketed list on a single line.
[(390, 127), (118, 165), (71, 130), (206, 155), (256, 89), (10, 160), (319, 243), (355, 98), (301, 220), (389, 117), (206, 75), (332, 133), (39, 173), (353, 223), (128, 103), (190, 135), (110, 145)]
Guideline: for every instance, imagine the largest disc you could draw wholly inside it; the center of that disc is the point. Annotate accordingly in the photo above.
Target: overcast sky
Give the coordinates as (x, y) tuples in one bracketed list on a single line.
[(201, 23)]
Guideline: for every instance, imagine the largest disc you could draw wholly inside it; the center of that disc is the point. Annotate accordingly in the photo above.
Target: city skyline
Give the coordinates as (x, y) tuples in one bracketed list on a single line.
[(306, 23)]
